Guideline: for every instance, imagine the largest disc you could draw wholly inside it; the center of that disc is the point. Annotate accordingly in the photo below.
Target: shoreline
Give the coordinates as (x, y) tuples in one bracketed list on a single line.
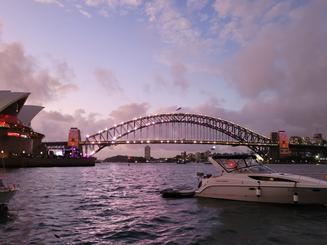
[(47, 162)]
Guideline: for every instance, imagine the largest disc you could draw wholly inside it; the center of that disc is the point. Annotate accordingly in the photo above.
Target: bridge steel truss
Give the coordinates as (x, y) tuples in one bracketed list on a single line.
[(177, 128)]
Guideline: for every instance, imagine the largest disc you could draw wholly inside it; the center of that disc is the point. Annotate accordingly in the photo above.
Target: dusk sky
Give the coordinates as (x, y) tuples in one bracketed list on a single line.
[(93, 63)]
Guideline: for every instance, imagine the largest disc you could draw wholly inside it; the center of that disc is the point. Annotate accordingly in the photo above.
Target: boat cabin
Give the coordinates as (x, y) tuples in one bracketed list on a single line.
[(240, 164)]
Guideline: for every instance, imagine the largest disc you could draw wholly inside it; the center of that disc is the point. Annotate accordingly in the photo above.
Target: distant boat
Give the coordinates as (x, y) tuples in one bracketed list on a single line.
[(182, 161), (6, 191)]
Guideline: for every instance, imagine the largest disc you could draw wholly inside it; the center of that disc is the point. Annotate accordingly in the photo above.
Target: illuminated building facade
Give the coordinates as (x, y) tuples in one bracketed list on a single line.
[(284, 149), (73, 144), (16, 135)]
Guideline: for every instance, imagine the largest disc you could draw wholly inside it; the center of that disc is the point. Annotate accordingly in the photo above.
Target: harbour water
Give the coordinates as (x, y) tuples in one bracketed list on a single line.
[(119, 203)]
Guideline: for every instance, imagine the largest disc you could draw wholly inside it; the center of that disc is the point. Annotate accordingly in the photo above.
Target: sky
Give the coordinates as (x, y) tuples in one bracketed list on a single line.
[(93, 63)]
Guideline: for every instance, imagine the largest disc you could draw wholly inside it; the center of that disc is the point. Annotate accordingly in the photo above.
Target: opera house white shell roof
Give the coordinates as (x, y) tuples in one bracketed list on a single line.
[(12, 103)]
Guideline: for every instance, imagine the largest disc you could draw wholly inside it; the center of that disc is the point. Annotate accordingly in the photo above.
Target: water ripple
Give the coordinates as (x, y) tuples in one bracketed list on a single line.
[(120, 204)]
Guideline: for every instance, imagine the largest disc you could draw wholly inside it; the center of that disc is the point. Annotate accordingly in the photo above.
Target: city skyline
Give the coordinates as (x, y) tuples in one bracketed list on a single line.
[(95, 63)]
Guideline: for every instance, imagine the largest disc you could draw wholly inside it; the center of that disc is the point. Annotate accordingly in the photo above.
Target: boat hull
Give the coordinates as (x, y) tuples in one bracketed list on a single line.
[(267, 194), (6, 195), (174, 193)]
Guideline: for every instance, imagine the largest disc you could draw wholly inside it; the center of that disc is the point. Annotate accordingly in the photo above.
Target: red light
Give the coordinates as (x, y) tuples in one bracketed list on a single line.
[(9, 118), (4, 124), (232, 164), (12, 134)]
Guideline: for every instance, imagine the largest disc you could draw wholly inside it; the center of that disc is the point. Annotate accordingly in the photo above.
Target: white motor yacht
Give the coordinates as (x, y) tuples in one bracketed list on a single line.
[(243, 178)]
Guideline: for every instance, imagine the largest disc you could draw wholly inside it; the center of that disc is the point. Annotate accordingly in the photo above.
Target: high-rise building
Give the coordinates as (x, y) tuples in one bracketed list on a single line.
[(147, 153), (317, 138), (274, 137), (284, 149)]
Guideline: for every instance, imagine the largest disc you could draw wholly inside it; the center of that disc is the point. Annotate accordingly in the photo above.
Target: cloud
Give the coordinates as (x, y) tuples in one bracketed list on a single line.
[(22, 72), (107, 8), (239, 21), (82, 11), (133, 3), (287, 60), (179, 72), (129, 111), (107, 79), (282, 73), (160, 82), (88, 123), (94, 2), (54, 125), (85, 13), (195, 5), (63, 70), (114, 3), (50, 2), (1, 29), (172, 25)]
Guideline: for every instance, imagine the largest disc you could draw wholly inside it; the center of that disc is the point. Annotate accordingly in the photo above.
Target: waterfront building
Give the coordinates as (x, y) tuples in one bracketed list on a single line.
[(16, 135), (296, 140), (274, 137), (147, 153), (317, 139), (307, 140)]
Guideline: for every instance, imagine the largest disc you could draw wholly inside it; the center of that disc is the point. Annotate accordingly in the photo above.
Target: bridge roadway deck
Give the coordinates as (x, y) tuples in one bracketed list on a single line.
[(186, 142), (204, 142)]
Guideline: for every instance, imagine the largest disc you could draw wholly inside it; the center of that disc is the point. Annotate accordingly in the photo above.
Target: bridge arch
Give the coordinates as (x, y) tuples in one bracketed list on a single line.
[(130, 132)]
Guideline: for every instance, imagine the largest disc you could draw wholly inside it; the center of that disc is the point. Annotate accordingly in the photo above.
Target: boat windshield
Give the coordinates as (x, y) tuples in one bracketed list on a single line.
[(242, 165)]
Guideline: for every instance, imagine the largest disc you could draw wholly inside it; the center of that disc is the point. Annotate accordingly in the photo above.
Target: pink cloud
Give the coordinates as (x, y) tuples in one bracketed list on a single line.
[(107, 79), (129, 111), (287, 58), (282, 73), (22, 72)]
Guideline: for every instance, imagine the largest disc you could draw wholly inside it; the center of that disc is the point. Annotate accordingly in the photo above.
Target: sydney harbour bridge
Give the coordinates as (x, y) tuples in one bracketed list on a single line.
[(177, 128)]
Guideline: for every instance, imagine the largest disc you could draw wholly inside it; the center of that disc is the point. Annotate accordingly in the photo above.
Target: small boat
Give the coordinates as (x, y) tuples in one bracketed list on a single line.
[(243, 178), (175, 193), (6, 192)]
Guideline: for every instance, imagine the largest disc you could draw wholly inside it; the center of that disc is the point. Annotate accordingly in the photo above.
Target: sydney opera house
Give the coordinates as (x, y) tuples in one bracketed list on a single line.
[(16, 135)]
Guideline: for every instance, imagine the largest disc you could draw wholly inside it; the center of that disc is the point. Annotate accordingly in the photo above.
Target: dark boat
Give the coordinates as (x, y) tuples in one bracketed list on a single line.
[(174, 193)]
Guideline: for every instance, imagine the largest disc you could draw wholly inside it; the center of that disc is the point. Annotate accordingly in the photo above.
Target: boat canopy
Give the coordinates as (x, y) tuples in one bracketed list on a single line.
[(241, 164)]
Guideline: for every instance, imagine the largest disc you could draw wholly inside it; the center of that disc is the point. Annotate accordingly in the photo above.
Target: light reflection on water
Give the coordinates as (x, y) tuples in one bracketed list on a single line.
[(120, 203)]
